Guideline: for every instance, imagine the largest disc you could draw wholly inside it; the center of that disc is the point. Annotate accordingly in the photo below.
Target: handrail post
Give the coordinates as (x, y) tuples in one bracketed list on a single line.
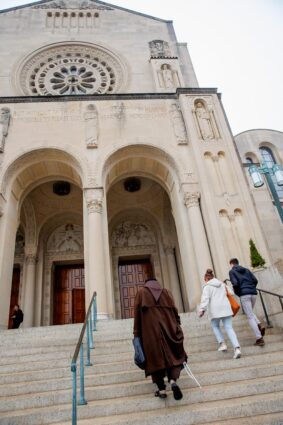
[(94, 314), (74, 395), (82, 399), (88, 362), (91, 345), (269, 325)]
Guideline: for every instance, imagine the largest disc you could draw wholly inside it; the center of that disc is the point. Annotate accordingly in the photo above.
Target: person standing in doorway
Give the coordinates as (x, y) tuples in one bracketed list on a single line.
[(214, 299), (244, 283), (157, 324), (17, 317)]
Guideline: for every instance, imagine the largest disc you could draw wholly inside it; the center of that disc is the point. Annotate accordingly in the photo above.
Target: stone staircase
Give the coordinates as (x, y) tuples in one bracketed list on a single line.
[(35, 378)]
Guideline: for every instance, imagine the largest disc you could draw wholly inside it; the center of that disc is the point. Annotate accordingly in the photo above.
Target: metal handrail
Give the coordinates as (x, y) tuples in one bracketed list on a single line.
[(89, 326), (268, 323)]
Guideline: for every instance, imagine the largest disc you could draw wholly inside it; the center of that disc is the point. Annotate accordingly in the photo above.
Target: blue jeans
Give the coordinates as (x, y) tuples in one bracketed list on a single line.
[(227, 322)]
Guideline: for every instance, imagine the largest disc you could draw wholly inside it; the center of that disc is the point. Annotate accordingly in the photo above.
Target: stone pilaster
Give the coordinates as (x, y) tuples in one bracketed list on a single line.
[(29, 286)]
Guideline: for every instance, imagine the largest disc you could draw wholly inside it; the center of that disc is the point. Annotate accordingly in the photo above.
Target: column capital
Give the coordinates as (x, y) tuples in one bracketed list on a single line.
[(191, 199), (94, 200)]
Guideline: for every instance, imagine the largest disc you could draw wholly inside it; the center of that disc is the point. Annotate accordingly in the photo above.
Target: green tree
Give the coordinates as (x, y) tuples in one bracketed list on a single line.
[(256, 258)]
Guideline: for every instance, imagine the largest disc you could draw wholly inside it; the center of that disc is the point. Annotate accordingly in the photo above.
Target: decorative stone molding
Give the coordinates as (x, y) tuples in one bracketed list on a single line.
[(91, 126), (5, 116), (94, 200), (191, 199), (178, 124), (72, 4), (30, 256), (71, 69)]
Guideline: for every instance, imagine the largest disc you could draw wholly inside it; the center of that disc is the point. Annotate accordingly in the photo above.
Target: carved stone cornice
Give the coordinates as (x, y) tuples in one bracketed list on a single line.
[(191, 199)]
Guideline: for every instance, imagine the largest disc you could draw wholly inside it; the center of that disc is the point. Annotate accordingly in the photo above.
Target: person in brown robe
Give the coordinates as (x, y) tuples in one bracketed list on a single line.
[(157, 324)]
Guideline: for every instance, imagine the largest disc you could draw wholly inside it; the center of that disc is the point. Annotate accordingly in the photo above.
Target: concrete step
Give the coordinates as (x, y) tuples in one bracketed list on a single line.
[(33, 371), (194, 400), (247, 409), (100, 384), (96, 391), (125, 351)]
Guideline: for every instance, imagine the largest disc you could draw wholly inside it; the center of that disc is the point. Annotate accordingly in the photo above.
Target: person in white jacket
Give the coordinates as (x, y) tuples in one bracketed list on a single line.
[(214, 299)]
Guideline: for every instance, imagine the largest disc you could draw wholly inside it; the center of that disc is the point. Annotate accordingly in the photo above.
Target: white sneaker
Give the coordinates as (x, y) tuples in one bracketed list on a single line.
[(237, 353), (222, 346)]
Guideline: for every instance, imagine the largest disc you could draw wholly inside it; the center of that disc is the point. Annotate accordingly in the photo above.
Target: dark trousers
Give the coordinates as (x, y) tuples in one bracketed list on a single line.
[(172, 373)]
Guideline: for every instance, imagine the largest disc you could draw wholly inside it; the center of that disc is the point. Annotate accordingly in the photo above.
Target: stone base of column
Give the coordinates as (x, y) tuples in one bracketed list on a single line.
[(104, 316)]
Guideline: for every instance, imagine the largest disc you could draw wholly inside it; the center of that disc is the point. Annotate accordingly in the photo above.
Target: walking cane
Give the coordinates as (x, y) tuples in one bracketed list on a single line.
[(190, 373)]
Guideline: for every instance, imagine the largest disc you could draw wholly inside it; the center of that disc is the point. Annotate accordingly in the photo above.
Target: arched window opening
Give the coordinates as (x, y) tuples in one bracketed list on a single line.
[(269, 160)]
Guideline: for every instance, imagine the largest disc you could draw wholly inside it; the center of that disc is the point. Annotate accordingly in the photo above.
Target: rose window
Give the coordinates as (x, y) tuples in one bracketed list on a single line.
[(72, 70)]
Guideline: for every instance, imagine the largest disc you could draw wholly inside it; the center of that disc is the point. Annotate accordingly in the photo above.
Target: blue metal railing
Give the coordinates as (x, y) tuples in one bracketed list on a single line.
[(89, 326)]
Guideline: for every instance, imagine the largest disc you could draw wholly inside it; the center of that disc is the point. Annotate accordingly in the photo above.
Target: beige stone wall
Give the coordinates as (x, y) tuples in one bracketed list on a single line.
[(248, 144), (194, 209)]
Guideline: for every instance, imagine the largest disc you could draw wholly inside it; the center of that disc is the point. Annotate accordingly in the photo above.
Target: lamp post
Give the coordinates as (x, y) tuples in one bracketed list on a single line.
[(255, 173)]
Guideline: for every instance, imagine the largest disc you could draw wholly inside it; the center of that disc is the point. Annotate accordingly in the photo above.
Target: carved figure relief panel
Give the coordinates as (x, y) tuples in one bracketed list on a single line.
[(131, 234), (178, 124), (159, 49), (5, 115), (66, 238), (71, 69)]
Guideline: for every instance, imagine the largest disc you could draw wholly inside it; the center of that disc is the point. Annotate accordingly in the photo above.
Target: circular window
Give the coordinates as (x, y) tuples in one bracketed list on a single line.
[(71, 70)]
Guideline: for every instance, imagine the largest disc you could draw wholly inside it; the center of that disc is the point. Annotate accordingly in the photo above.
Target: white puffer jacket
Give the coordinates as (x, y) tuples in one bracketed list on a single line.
[(214, 299)]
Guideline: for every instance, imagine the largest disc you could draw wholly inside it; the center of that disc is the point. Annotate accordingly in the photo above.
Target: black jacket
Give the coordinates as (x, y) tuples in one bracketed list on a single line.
[(243, 280)]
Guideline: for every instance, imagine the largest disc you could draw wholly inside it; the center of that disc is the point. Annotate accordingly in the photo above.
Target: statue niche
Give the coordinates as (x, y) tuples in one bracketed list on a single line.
[(205, 121), (168, 78)]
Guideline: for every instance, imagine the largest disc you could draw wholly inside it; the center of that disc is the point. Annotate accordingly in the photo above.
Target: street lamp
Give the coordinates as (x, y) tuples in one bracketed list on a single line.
[(255, 173)]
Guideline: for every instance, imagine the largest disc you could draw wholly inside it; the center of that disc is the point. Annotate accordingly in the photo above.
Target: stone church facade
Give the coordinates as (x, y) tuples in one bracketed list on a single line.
[(115, 165)]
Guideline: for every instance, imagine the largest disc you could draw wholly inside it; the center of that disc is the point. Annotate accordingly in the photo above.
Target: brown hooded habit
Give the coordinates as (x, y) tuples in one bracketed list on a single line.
[(157, 323)]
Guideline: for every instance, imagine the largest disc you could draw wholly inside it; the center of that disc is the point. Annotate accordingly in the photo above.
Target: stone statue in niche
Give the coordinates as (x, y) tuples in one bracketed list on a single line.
[(167, 75), (130, 234), (178, 124), (159, 49), (204, 121), (4, 126), (91, 126)]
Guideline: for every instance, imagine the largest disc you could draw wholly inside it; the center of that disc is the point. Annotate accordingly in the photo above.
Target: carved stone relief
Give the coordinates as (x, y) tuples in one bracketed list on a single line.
[(159, 49), (168, 77), (178, 124), (91, 126), (131, 234), (191, 199), (66, 238), (4, 126), (72, 4)]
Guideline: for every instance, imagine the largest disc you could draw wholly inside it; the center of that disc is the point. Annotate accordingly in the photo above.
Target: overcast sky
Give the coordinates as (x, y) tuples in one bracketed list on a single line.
[(235, 45)]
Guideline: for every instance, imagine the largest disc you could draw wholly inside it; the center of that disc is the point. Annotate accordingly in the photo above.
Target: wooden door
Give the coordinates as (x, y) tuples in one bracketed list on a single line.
[(14, 292), (132, 276), (78, 310), (69, 291)]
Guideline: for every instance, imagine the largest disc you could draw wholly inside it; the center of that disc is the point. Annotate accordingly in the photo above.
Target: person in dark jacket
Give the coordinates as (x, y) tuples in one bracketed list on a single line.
[(157, 324), (17, 317), (244, 283)]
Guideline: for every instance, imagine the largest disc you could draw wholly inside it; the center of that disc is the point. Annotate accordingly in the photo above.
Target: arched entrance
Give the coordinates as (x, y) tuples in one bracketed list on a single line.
[(44, 209), (143, 237)]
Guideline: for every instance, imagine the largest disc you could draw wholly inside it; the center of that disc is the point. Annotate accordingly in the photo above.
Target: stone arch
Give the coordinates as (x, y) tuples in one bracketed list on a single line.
[(36, 161), (145, 160), (253, 155)]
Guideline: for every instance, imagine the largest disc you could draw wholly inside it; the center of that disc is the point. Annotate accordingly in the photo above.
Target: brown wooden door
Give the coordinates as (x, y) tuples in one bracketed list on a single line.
[(78, 310), (14, 292), (132, 276), (69, 292)]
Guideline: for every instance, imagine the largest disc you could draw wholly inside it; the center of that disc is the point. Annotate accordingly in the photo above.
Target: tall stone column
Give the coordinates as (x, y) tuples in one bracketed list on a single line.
[(200, 242), (174, 279), (94, 250), (29, 289)]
